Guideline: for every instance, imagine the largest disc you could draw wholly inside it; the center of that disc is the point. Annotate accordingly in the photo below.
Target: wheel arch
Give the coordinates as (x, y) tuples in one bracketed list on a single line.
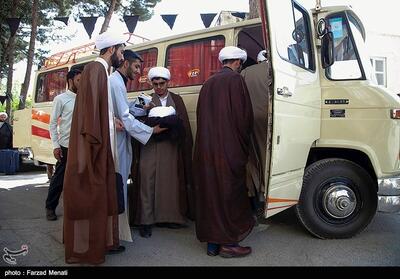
[(353, 155)]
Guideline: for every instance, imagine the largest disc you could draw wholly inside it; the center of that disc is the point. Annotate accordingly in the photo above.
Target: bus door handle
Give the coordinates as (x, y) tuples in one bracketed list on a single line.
[(284, 92)]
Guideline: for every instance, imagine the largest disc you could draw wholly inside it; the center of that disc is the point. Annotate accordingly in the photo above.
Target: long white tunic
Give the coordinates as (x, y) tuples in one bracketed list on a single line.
[(134, 128)]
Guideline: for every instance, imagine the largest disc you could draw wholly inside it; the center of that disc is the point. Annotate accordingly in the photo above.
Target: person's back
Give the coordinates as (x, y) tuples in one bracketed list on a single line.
[(258, 80), (224, 123), (216, 94)]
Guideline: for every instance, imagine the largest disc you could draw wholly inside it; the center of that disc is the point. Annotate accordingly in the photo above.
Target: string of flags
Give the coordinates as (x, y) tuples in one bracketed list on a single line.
[(130, 21)]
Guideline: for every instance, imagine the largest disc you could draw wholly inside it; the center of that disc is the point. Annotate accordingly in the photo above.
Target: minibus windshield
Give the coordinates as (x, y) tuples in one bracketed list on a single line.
[(349, 49), (359, 38)]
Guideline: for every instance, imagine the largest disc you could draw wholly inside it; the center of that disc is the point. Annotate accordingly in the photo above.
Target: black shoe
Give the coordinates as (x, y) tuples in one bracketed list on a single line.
[(51, 214), (116, 250), (213, 249), (145, 231)]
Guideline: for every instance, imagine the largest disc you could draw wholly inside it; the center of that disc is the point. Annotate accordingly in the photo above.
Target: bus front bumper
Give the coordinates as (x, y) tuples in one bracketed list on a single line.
[(389, 195)]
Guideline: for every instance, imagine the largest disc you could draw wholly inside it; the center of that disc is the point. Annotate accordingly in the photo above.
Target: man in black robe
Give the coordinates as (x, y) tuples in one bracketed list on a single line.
[(5, 132), (224, 123)]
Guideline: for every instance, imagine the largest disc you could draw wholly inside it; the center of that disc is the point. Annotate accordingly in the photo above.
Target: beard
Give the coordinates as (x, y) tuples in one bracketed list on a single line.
[(115, 62)]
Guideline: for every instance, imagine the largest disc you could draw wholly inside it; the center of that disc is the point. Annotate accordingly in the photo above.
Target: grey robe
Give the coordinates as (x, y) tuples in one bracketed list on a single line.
[(159, 180), (258, 80)]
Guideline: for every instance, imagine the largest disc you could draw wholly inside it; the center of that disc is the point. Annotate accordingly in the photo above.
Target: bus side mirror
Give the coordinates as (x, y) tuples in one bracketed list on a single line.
[(327, 55)]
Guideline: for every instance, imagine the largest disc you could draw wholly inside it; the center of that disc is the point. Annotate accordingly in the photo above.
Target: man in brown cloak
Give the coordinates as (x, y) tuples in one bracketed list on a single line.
[(224, 124), (258, 79), (90, 199), (164, 175)]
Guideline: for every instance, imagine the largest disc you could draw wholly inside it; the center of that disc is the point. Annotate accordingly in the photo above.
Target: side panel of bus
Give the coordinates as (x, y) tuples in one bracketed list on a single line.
[(297, 98), (22, 128), (48, 85)]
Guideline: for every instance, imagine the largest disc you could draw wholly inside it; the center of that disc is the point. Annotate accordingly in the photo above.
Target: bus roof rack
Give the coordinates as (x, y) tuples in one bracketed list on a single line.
[(70, 55)]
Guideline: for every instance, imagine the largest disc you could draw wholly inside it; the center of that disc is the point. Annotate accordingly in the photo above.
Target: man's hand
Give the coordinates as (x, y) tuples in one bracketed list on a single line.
[(157, 129), (149, 106), (57, 152), (119, 125)]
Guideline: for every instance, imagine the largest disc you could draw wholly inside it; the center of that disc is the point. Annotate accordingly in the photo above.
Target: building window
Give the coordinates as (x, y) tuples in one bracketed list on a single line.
[(379, 69)]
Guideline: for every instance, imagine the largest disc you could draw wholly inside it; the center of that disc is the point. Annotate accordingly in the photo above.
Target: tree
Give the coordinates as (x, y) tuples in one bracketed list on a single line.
[(10, 45), (108, 16), (37, 25), (133, 7), (10, 49), (254, 9), (16, 88), (39, 16), (31, 53)]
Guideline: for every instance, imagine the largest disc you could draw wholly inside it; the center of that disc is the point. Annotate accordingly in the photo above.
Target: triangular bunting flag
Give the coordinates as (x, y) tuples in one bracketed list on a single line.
[(89, 23), (131, 22), (3, 99), (238, 14), (169, 19), (63, 19), (207, 19), (13, 23)]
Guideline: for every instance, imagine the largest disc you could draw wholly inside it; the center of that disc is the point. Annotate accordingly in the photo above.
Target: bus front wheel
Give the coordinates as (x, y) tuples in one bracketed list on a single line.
[(338, 199)]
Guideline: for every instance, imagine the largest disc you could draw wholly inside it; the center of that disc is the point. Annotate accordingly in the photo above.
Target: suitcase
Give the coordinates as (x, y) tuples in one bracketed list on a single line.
[(9, 161)]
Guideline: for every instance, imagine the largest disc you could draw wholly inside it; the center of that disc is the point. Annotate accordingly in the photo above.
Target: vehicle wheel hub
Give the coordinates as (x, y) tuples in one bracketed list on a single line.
[(339, 201)]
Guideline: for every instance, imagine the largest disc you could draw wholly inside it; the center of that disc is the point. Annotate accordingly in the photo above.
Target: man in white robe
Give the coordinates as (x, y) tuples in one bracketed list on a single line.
[(133, 127)]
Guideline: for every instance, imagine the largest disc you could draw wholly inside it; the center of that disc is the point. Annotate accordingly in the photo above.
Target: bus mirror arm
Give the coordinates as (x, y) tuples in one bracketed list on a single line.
[(327, 50)]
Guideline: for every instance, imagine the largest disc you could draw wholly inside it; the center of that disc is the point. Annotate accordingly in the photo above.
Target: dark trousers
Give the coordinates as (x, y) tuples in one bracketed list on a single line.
[(57, 181)]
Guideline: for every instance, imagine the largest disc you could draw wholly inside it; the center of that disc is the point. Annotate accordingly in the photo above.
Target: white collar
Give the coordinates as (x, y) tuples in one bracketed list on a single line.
[(69, 92), (104, 63), (164, 98)]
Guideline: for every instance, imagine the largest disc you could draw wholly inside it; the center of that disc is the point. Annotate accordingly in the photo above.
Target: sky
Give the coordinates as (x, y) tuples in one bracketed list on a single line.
[(376, 18)]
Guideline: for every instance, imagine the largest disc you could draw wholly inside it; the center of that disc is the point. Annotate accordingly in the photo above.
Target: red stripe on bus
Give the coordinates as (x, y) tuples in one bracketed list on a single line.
[(40, 132), (276, 200), (41, 116)]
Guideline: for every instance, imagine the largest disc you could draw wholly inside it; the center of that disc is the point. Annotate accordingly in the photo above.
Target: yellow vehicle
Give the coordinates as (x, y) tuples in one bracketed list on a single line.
[(334, 136)]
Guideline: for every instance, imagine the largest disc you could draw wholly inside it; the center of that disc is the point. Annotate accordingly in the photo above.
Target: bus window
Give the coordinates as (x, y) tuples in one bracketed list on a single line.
[(50, 84), (149, 57), (347, 64), (251, 40), (192, 63), (294, 39)]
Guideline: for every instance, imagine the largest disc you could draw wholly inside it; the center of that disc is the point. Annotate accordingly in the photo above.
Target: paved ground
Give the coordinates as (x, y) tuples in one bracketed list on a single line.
[(281, 242)]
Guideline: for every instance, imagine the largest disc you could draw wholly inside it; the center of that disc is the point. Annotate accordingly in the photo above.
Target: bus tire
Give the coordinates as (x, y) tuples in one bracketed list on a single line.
[(338, 199)]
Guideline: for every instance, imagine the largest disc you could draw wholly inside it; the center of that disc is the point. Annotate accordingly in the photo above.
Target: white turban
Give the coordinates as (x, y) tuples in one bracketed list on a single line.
[(231, 52), (159, 72), (109, 39), (4, 113), (261, 57), (162, 111)]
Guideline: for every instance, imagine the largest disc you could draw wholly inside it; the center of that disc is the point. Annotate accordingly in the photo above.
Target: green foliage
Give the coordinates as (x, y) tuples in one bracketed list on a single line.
[(143, 8), (15, 100), (46, 28)]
